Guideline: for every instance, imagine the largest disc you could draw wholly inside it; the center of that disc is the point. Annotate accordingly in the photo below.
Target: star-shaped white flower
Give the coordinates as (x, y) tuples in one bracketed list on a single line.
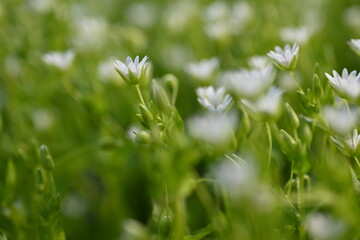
[(133, 72), (204, 70), (213, 99), (340, 119), (348, 145), (249, 83), (347, 85), (267, 106), (355, 45), (285, 58), (215, 129)]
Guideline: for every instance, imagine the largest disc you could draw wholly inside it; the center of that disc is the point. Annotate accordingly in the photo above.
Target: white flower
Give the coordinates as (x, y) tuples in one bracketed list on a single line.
[(42, 6), (285, 58), (133, 130), (347, 85), (259, 62), (106, 71), (339, 119), (60, 60), (223, 20), (300, 34), (203, 70), (90, 33), (213, 99), (266, 106), (133, 72), (178, 14), (355, 45), (324, 227), (147, 12), (215, 129), (237, 175), (43, 119), (249, 83), (348, 145)]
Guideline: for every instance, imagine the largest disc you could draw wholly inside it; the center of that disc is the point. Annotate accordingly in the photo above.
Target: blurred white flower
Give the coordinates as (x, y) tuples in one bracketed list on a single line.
[(241, 13), (42, 119), (175, 56), (351, 17), (347, 85), (222, 20), (178, 14), (42, 6), (147, 12), (12, 65), (204, 70), (132, 71), (259, 62), (60, 60), (300, 34), (324, 227), (355, 45), (266, 106), (133, 130), (237, 175), (90, 33), (285, 58), (213, 128), (213, 99), (74, 206), (339, 119), (248, 83), (348, 145), (106, 71)]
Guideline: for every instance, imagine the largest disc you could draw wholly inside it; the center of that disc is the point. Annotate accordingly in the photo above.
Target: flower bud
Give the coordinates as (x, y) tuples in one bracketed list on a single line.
[(292, 117), (317, 87), (46, 159), (146, 115), (166, 222), (171, 82), (142, 137), (39, 181), (305, 133), (288, 143), (160, 97)]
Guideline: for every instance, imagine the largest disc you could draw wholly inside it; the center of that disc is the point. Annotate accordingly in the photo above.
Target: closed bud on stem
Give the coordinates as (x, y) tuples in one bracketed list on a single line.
[(39, 181), (287, 141), (46, 159), (317, 87), (172, 83), (55, 203), (305, 133), (160, 97), (292, 117), (166, 222), (142, 137), (146, 115)]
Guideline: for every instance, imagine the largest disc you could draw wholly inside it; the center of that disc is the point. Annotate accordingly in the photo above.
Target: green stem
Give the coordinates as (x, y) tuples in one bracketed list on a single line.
[(268, 131), (296, 81), (180, 219), (141, 98), (291, 179), (347, 106)]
